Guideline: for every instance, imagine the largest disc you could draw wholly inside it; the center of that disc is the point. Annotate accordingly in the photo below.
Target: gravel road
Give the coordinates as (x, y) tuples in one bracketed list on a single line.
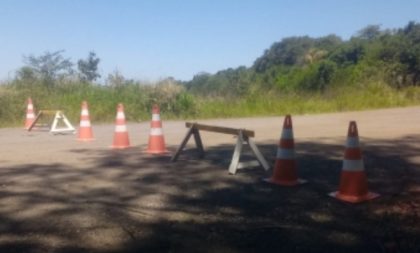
[(58, 194)]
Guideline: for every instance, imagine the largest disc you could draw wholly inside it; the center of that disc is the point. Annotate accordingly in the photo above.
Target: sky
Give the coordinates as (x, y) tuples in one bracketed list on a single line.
[(153, 39)]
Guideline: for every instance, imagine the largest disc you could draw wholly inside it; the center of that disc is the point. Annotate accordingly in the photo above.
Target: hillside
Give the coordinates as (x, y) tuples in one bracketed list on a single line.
[(373, 55)]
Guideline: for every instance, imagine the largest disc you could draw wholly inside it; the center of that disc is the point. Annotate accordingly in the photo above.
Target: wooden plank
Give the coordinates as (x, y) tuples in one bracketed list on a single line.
[(243, 138), (198, 142), (258, 154), (35, 120), (49, 112), (219, 129), (236, 155), (183, 143), (59, 115)]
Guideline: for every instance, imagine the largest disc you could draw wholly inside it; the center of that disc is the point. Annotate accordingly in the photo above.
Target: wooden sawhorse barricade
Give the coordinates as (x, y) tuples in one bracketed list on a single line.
[(53, 121), (243, 137)]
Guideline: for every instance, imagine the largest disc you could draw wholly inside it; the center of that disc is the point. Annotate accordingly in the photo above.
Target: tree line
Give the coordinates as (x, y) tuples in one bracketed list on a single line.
[(302, 63), (52, 66)]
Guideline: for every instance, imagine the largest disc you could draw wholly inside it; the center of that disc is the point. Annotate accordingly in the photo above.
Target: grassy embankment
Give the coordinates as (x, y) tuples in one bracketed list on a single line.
[(176, 103)]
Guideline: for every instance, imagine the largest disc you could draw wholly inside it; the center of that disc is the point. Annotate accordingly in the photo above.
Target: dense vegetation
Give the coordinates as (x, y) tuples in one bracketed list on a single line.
[(375, 68), (389, 57)]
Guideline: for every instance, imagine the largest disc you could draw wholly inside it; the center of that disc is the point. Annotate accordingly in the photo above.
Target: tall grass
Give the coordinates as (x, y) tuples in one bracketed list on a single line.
[(137, 99), (372, 96), (177, 103)]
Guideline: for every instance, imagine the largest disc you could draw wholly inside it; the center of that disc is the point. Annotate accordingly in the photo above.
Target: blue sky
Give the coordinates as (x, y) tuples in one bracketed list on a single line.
[(150, 40)]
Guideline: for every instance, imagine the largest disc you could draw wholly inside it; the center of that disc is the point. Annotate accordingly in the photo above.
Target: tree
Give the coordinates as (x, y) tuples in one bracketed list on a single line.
[(350, 53), (329, 42), (290, 51), (49, 66), (116, 79), (325, 74), (370, 32), (412, 31), (314, 54), (89, 68), (199, 82), (25, 73)]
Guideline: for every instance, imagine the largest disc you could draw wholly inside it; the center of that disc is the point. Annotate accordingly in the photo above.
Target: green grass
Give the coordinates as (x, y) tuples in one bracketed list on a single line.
[(176, 103), (338, 100)]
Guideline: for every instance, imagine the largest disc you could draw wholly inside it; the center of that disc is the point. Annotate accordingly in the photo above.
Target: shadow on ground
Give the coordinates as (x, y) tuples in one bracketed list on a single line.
[(128, 201)]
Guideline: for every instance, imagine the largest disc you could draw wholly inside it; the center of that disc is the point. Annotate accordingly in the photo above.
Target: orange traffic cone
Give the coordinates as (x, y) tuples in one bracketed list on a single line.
[(121, 139), (285, 171), (156, 139), (353, 183), (85, 129), (30, 114)]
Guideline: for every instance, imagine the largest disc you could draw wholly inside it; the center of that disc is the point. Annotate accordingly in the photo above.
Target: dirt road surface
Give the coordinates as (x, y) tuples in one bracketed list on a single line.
[(61, 195)]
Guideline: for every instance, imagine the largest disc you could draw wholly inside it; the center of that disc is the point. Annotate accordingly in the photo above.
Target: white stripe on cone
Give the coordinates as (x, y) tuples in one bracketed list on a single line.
[(155, 117), (287, 134), (30, 107), (120, 115), (84, 123), (353, 165), (85, 112), (352, 142), (120, 128), (156, 131), (30, 115), (285, 153)]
